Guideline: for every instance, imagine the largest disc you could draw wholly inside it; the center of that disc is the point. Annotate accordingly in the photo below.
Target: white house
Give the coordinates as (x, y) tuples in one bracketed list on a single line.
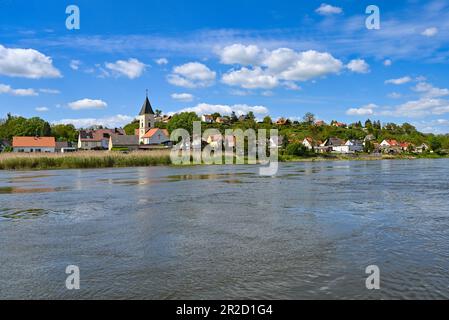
[(351, 146), (156, 136), (207, 118), (34, 144)]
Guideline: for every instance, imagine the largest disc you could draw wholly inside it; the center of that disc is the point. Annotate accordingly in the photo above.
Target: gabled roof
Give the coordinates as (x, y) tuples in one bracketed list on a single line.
[(35, 142), (99, 135), (153, 131), (124, 140), (146, 108)]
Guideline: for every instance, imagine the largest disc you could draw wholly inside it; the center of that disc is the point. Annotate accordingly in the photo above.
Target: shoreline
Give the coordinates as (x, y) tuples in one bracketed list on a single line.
[(102, 160)]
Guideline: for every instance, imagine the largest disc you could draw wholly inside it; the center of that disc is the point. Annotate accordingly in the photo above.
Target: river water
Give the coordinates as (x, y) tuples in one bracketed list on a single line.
[(224, 232)]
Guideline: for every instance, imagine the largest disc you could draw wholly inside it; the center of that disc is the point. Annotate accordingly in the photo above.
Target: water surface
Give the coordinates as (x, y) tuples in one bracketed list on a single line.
[(225, 232)]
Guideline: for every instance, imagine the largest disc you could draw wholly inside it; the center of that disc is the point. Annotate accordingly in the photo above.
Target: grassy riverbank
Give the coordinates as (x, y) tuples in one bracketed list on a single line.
[(83, 160), (103, 159)]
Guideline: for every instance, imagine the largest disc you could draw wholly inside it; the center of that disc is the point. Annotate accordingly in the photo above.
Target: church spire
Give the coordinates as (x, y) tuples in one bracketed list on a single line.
[(146, 107)]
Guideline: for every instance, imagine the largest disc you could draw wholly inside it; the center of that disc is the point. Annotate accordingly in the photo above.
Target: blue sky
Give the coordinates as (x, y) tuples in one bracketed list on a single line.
[(282, 58)]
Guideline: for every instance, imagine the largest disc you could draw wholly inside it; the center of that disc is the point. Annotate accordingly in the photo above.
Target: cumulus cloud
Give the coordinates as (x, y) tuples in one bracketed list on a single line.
[(42, 109), (430, 102), (115, 121), (327, 9), (26, 63), (132, 68), (192, 75), (7, 89), (185, 97), (430, 91), (85, 104), (240, 54), (430, 32), (250, 79), (161, 61), (399, 81), (362, 111), (358, 66), (282, 66), (239, 109)]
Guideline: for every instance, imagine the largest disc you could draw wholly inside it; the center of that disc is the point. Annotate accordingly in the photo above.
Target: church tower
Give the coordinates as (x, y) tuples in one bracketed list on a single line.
[(146, 118)]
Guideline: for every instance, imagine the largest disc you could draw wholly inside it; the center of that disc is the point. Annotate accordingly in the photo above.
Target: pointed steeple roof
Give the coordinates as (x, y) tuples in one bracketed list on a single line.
[(146, 107)]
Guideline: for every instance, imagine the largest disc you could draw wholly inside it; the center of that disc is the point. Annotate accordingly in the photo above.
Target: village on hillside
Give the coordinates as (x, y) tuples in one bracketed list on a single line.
[(151, 130)]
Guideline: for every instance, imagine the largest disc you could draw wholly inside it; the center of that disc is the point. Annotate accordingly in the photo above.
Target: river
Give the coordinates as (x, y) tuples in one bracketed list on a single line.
[(225, 232)]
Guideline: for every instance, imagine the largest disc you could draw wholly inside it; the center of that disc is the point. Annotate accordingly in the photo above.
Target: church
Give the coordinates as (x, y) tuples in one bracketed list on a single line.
[(147, 132)]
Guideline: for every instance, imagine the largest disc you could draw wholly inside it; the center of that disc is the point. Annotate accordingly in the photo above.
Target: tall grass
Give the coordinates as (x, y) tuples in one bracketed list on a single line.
[(83, 160)]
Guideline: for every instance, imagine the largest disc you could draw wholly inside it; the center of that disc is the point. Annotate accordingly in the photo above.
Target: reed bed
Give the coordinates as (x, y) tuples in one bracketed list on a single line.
[(83, 160)]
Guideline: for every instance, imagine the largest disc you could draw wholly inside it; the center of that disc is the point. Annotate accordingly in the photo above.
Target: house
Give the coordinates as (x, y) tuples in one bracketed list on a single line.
[(97, 139), (389, 143), (369, 138), (406, 146), (64, 147), (34, 144), (156, 136), (207, 118), (130, 143), (310, 144), (422, 148), (282, 122), (222, 120), (4, 143), (330, 144), (339, 124), (351, 146), (320, 123)]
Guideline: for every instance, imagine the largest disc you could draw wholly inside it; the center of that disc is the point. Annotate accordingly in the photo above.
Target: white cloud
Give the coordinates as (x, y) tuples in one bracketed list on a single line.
[(161, 61), (115, 121), (50, 91), (388, 63), (282, 66), (75, 64), (185, 97), (250, 79), (362, 111), (87, 104), (327, 9), (399, 81), (358, 66), (239, 109), (430, 32), (430, 91), (192, 75), (240, 54), (132, 68), (26, 63), (42, 109), (429, 103), (7, 89), (302, 66)]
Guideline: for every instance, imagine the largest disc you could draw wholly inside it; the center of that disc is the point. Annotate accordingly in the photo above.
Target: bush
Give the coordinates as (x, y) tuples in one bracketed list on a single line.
[(297, 149)]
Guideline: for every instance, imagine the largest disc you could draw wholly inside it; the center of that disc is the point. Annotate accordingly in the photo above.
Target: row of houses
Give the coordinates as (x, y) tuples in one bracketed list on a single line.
[(146, 137), (338, 145)]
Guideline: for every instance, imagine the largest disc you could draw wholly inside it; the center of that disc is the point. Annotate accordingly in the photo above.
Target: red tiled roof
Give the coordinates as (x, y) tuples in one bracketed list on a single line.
[(36, 142), (153, 131)]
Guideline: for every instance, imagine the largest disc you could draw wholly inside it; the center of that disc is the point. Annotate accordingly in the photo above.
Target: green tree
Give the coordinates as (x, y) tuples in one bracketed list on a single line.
[(130, 128), (64, 132), (183, 121), (309, 118)]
